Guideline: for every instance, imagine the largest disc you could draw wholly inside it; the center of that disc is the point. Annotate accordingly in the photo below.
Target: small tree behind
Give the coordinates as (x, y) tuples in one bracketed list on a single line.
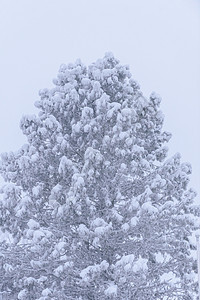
[(92, 207)]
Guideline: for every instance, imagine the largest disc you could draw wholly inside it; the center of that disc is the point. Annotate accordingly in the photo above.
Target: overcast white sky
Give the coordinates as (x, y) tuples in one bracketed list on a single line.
[(159, 39)]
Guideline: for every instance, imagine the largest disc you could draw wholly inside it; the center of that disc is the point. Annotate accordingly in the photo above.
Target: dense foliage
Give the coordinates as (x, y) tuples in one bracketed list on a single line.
[(92, 209)]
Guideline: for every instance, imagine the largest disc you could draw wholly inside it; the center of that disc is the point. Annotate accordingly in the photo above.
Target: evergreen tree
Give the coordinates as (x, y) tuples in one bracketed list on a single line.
[(92, 208)]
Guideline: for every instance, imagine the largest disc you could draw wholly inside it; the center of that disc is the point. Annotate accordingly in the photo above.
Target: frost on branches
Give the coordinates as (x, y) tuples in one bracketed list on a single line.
[(92, 207)]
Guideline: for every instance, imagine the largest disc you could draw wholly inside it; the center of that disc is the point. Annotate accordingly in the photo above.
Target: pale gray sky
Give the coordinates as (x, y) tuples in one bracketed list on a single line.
[(159, 39)]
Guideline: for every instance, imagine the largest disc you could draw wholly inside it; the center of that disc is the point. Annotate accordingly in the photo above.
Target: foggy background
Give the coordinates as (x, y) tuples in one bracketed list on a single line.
[(159, 39)]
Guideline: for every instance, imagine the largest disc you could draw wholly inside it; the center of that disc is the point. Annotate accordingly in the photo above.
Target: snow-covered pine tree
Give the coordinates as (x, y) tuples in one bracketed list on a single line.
[(92, 209)]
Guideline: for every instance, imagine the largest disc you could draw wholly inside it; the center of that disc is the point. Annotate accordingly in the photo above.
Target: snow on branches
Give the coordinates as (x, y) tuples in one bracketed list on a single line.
[(91, 207)]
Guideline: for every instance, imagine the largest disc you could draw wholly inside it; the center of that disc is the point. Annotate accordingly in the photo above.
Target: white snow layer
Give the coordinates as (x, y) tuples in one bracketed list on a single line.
[(129, 263), (111, 290)]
